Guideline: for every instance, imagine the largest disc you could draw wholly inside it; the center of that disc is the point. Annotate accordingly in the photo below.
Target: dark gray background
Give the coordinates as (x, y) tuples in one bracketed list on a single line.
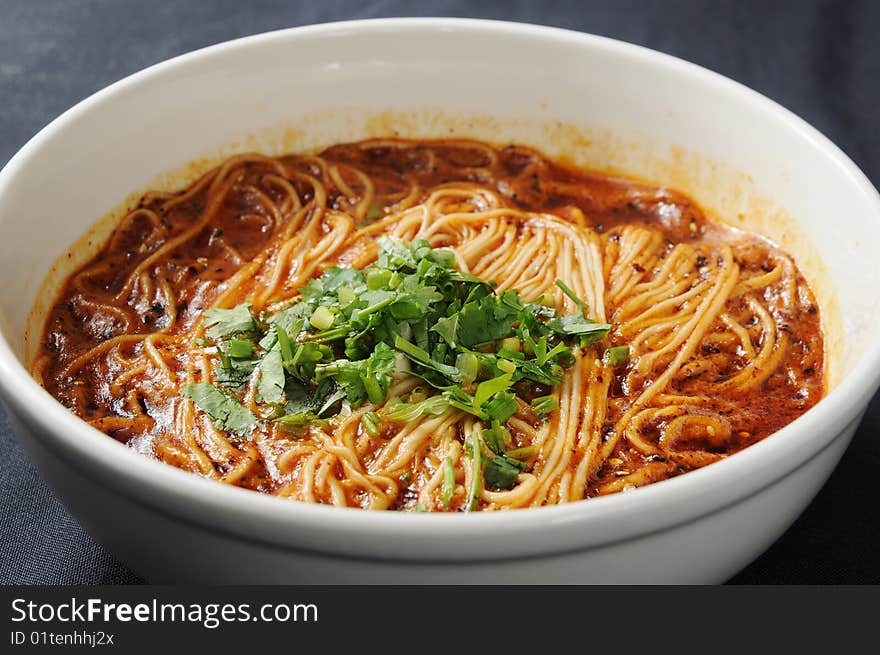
[(820, 59)]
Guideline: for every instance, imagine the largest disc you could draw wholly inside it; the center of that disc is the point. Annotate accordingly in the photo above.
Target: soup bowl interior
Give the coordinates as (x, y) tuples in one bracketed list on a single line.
[(599, 103)]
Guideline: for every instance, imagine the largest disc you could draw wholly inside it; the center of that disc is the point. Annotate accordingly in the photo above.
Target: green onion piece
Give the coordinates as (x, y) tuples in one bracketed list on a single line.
[(500, 407), (544, 405), (524, 453), (378, 279), (476, 454), (346, 296), (468, 366), (506, 365), (321, 319), (506, 439), (616, 356), (372, 423), (408, 412), (493, 440), (297, 420), (511, 343), (240, 349), (448, 482)]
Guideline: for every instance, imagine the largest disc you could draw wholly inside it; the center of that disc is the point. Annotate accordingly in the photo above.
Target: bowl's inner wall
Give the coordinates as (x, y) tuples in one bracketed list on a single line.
[(597, 103)]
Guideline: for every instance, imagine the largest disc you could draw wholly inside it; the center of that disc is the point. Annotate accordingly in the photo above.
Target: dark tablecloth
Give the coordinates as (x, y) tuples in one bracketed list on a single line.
[(820, 59)]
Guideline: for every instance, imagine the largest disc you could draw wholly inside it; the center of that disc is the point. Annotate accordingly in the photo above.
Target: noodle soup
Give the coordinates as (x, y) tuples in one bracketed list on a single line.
[(432, 326)]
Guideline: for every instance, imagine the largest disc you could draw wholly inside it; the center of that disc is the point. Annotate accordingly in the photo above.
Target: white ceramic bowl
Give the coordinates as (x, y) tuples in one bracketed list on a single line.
[(601, 102)]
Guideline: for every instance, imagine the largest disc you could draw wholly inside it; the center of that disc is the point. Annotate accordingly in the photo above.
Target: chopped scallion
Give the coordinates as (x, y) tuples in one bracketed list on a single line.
[(511, 343), (616, 356), (321, 319), (346, 295), (372, 424), (522, 454), (468, 366), (476, 483), (448, 482), (506, 365), (544, 405)]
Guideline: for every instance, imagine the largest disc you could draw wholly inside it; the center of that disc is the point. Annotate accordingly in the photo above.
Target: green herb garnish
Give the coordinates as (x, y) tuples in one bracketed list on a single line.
[(522, 454), (616, 356), (568, 292), (543, 405), (501, 472), (224, 322), (241, 348), (271, 384), (412, 312), (372, 424), (474, 451), (226, 411), (448, 482)]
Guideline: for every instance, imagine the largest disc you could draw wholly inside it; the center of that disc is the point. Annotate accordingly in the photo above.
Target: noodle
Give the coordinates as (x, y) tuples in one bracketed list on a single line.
[(723, 332)]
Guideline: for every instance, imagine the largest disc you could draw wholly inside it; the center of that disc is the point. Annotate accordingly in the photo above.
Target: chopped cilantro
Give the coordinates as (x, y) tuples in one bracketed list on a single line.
[(271, 384), (408, 412), (226, 411), (225, 322), (350, 331), (501, 472)]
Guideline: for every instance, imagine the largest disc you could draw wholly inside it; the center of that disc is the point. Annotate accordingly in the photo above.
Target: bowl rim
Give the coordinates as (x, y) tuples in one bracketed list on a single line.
[(620, 516)]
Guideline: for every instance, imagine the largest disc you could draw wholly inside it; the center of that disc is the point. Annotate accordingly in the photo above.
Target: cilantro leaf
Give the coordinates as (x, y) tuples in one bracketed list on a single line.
[(572, 296), (408, 412), (487, 389), (501, 472), (477, 323), (225, 322), (574, 324), (223, 408), (420, 356), (232, 372), (271, 384)]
